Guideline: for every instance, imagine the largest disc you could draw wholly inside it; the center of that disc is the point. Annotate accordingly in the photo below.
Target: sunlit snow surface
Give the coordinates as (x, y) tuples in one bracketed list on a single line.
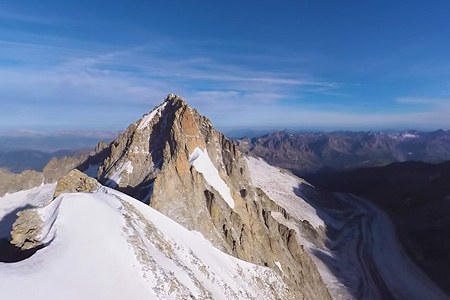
[(280, 186), (107, 245), (203, 164)]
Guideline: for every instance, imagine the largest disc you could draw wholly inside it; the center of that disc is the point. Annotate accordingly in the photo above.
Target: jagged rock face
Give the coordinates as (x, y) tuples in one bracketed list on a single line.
[(174, 159)]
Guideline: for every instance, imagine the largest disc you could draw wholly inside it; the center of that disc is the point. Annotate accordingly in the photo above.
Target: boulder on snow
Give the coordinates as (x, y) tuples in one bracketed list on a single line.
[(26, 230), (76, 181)]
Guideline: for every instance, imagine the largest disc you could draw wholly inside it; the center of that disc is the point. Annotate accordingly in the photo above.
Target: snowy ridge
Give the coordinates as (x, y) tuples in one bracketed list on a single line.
[(203, 164), (107, 245), (149, 117)]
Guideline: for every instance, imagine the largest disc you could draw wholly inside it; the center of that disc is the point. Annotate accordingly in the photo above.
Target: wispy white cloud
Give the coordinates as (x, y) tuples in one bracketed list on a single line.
[(20, 17), (108, 87), (140, 67)]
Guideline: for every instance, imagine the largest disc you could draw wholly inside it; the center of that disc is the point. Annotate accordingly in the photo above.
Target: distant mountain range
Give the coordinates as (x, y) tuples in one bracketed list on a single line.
[(21, 160), (301, 152), (23, 150), (312, 152)]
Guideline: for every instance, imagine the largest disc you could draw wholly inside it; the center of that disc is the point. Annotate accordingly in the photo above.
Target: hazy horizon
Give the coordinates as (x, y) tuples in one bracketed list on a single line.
[(231, 132)]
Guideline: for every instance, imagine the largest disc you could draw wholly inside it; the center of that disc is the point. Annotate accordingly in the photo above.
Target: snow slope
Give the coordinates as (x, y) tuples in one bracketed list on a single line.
[(107, 245), (279, 186)]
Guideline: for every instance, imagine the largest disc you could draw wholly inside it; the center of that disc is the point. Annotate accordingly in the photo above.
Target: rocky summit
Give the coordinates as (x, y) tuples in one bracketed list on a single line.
[(174, 159)]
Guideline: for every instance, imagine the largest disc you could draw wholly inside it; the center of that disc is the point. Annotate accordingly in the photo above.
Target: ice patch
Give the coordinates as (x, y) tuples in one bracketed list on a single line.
[(278, 264), (203, 164)]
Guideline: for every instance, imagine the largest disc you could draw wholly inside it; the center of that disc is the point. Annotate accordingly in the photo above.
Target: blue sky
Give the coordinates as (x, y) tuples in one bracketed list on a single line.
[(312, 65)]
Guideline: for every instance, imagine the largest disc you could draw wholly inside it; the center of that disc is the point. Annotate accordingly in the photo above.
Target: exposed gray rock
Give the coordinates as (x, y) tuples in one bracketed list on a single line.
[(26, 230)]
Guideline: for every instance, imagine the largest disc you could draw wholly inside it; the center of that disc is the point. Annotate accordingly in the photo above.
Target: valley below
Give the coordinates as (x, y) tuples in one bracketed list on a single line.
[(365, 253)]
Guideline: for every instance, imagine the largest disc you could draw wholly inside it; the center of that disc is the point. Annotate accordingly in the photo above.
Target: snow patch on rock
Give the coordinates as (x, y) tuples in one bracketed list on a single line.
[(203, 164), (278, 264), (114, 180), (149, 117)]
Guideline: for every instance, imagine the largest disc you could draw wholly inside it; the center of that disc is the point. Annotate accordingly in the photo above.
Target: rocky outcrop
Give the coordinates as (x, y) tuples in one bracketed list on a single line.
[(177, 162), (76, 181)]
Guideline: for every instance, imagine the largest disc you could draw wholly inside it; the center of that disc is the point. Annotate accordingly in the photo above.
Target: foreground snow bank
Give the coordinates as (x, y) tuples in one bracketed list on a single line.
[(107, 245)]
